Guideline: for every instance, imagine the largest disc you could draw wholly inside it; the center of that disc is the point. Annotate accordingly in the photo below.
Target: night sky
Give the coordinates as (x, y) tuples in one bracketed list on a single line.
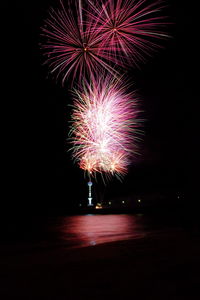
[(41, 174)]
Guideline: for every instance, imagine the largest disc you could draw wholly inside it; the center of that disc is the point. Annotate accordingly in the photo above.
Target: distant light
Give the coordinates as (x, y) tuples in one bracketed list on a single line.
[(98, 206), (109, 203), (123, 202), (178, 197), (139, 200)]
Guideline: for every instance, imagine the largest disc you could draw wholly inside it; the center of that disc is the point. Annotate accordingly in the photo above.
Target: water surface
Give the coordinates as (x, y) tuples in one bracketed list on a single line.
[(90, 230), (80, 230)]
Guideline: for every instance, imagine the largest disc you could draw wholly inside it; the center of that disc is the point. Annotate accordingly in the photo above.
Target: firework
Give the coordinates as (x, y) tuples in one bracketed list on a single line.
[(105, 128), (129, 29), (72, 43)]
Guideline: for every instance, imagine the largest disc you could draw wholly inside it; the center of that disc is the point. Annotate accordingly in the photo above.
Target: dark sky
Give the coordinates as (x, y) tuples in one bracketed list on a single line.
[(40, 170)]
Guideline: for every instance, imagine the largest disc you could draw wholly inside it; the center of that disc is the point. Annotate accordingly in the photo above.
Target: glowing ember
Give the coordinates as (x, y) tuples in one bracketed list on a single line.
[(104, 129)]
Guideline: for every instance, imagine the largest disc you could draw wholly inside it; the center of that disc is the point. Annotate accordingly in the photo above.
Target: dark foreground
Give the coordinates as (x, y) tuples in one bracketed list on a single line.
[(163, 265)]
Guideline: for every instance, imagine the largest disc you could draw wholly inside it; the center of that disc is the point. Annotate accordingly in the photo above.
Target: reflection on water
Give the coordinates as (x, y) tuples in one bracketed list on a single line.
[(83, 230), (75, 231), (90, 230)]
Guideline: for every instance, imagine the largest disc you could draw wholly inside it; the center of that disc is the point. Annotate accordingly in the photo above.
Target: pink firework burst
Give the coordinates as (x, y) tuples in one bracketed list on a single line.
[(72, 43), (130, 29), (105, 127)]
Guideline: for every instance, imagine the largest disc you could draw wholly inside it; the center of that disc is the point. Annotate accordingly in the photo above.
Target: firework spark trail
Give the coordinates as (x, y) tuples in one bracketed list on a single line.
[(130, 29), (105, 127), (71, 45), (86, 40)]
